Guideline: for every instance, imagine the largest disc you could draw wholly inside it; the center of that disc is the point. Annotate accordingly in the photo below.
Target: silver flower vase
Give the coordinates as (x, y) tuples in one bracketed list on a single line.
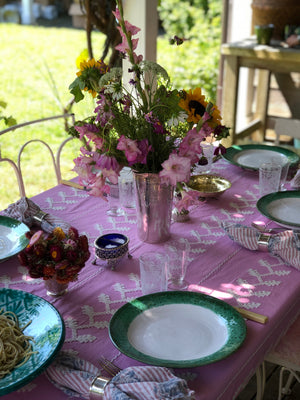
[(55, 288), (153, 207)]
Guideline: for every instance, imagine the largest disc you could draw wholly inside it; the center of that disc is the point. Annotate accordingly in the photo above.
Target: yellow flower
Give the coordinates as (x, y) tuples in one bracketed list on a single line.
[(59, 233), (83, 56), (90, 72), (194, 103), (216, 117)]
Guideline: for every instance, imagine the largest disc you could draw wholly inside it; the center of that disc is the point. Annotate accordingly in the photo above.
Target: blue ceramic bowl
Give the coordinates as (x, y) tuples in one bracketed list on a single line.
[(111, 247)]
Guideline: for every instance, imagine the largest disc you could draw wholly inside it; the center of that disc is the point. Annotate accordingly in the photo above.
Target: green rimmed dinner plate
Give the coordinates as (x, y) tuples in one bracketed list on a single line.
[(250, 156), (46, 327), (12, 237), (281, 207), (177, 329)]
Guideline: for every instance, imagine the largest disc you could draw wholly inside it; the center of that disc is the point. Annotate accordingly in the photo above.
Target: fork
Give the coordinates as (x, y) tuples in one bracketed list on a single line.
[(109, 366)]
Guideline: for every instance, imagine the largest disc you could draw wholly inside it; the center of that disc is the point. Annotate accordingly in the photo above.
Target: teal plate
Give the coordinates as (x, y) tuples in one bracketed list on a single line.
[(12, 237), (46, 327), (250, 156), (281, 207), (177, 329)]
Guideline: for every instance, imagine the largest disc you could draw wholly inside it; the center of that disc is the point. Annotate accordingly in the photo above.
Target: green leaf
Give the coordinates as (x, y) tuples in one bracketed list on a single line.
[(153, 67), (112, 75), (76, 88)]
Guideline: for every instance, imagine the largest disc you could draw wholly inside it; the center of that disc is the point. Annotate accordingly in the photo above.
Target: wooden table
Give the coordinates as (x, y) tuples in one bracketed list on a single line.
[(268, 59)]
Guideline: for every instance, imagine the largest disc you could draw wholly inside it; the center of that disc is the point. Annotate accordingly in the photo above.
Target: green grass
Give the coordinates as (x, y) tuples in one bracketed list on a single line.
[(37, 66)]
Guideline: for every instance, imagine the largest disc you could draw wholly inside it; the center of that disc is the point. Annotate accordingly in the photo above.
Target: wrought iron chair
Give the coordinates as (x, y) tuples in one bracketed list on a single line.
[(54, 159), (286, 354)]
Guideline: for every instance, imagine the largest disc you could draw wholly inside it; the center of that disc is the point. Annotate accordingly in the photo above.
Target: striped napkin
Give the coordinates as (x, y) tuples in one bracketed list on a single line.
[(75, 377), (72, 375), (285, 245), (147, 383), (27, 211)]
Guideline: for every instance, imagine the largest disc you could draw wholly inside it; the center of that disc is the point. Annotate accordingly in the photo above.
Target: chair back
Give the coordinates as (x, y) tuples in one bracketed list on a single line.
[(34, 146), (287, 127)]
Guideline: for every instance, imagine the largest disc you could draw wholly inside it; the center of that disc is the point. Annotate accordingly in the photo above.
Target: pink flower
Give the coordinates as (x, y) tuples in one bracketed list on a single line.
[(103, 111), (83, 168), (191, 145), (99, 188), (110, 168), (89, 131), (188, 199), (175, 169), (130, 147), (144, 148), (123, 47)]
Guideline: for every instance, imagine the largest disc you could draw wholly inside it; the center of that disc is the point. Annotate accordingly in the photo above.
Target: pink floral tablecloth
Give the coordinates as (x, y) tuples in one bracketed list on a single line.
[(256, 281)]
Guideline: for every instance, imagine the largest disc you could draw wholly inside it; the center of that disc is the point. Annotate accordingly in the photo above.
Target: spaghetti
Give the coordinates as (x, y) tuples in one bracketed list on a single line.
[(15, 347)]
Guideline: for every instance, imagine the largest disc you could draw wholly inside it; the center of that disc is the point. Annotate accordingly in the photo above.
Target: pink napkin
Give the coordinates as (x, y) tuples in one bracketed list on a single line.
[(72, 375), (285, 244), (147, 383), (27, 211)]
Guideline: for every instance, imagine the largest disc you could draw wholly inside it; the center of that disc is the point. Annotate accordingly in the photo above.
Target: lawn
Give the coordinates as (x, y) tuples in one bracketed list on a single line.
[(38, 64)]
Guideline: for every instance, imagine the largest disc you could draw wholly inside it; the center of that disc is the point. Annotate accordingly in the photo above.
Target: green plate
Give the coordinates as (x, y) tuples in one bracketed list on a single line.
[(46, 327), (177, 329), (250, 156), (282, 208), (12, 237)]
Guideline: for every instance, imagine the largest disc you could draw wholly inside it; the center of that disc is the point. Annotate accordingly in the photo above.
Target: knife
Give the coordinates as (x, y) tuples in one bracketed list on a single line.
[(262, 319), (73, 184)]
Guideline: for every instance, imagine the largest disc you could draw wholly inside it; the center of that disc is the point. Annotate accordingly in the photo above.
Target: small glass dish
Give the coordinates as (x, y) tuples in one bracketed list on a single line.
[(111, 247)]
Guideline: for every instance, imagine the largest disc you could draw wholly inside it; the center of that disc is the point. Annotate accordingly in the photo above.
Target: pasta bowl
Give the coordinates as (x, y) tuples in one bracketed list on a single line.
[(44, 324)]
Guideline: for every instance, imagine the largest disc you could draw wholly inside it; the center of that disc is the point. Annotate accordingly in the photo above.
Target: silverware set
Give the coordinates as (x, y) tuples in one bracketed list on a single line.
[(109, 366)]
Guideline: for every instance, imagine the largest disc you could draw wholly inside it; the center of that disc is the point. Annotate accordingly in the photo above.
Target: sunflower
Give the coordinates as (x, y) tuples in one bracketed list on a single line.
[(194, 103), (90, 73), (215, 117)]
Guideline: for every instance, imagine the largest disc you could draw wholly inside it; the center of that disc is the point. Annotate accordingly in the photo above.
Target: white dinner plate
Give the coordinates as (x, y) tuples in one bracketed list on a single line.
[(12, 237), (282, 208), (177, 329), (250, 156)]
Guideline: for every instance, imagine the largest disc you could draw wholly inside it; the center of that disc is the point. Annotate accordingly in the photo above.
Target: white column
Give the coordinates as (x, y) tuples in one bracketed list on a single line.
[(240, 21), (143, 14), (27, 12)]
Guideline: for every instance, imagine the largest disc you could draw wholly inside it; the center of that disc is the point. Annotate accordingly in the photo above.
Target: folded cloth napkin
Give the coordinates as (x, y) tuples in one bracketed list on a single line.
[(147, 383), (285, 244), (75, 377), (72, 375), (27, 211)]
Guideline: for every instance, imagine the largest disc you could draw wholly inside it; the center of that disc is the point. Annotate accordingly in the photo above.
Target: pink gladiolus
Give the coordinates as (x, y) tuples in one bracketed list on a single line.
[(130, 148), (188, 199), (175, 169), (191, 145), (89, 132), (144, 148)]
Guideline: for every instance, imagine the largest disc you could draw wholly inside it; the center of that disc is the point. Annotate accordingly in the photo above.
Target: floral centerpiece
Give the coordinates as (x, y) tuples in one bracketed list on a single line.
[(144, 123), (58, 255)]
